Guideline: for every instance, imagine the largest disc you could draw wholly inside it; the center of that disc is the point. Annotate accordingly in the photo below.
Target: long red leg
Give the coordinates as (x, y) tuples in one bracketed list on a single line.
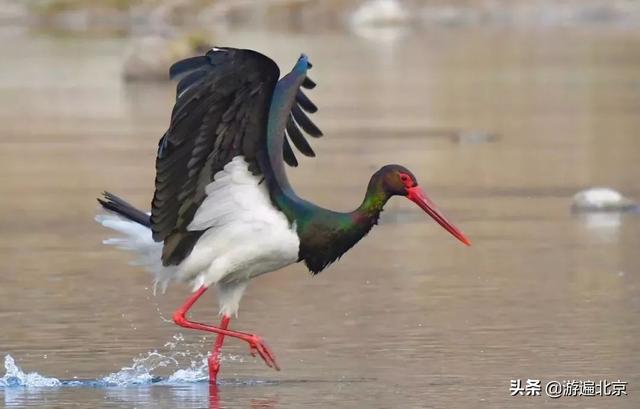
[(256, 344)]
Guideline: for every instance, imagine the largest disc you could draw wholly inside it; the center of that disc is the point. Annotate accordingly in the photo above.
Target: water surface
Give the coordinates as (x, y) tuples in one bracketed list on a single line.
[(409, 318)]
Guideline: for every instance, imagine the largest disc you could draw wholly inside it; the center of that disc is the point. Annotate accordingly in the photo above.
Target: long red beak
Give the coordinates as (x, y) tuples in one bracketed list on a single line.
[(417, 196)]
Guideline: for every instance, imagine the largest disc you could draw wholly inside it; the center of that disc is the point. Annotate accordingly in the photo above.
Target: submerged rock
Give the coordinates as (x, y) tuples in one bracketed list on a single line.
[(473, 137), (602, 199)]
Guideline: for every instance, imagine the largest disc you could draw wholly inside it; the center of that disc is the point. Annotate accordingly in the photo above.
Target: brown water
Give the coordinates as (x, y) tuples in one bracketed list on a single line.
[(409, 318)]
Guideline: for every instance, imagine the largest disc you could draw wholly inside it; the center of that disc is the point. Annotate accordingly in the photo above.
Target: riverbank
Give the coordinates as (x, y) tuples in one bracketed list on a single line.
[(134, 16)]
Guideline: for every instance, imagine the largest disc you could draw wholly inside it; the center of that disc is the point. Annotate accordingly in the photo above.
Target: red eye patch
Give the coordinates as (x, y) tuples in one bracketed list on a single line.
[(406, 180)]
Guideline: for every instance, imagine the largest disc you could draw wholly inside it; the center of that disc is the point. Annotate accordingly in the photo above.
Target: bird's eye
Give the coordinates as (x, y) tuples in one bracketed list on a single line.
[(404, 178)]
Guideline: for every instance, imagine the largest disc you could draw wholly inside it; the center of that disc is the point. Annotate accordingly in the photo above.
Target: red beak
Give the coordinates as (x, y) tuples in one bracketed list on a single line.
[(417, 196)]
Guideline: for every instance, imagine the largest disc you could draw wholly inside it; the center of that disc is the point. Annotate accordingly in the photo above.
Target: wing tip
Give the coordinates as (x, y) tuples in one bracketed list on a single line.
[(304, 59), (308, 83)]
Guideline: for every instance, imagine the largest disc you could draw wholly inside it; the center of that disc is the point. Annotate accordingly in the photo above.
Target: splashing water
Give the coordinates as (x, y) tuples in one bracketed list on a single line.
[(14, 376), (141, 372)]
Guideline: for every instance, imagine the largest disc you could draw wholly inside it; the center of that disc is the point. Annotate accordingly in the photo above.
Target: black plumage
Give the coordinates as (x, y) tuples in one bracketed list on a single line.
[(115, 204), (304, 122), (298, 139), (221, 111), (305, 103), (308, 83)]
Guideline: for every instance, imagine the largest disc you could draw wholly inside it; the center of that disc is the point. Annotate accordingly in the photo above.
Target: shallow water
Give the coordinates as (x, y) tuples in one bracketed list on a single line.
[(409, 318)]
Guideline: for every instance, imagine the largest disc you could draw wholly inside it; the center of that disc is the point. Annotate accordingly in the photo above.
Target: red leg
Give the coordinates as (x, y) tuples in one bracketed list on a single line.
[(214, 359), (256, 344)]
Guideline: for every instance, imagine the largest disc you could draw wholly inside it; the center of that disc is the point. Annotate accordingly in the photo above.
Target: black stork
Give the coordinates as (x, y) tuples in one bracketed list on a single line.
[(223, 211)]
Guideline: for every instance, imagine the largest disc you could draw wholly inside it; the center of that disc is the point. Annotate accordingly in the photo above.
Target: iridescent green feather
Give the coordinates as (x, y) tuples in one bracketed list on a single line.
[(324, 234)]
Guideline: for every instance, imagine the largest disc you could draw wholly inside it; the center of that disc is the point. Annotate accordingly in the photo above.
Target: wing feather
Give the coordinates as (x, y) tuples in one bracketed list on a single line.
[(222, 101), (298, 139), (305, 103), (289, 156), (224, 104), (289, 113), (308, 83), (183, 67), (305, 123)]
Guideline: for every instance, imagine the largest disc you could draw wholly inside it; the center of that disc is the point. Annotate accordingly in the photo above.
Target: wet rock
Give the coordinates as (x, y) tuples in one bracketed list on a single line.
[(602, 199), (149, 57), (380, 13), (128, 15)]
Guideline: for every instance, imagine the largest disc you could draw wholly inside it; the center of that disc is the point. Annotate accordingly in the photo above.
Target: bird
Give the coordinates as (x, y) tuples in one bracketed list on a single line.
[(223, 211)]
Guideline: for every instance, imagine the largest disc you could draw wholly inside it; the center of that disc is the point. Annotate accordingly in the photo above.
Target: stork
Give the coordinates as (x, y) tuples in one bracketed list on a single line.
[(223, 211)]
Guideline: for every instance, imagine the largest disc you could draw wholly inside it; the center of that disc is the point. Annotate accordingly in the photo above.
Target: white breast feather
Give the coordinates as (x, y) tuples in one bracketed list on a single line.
[(245, 236)]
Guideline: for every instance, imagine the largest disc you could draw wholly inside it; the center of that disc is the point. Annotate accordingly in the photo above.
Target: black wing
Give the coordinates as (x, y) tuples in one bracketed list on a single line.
[(297, 120), (221, 112), (287, 121)]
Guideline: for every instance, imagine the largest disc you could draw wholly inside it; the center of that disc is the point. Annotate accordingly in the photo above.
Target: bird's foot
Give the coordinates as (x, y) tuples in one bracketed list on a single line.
[(258, 346)]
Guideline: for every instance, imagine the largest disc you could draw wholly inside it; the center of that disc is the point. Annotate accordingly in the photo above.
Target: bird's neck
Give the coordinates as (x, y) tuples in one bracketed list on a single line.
[(372, 204), (325, 235)]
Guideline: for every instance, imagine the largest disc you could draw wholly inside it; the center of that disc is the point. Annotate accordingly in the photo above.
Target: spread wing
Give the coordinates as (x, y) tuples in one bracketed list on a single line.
[(298, 121), (223, 101), (220, 112), (287, 120)]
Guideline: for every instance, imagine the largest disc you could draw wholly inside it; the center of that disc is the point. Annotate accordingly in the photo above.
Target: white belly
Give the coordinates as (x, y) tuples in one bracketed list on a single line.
[(238, 252), (245, 234)]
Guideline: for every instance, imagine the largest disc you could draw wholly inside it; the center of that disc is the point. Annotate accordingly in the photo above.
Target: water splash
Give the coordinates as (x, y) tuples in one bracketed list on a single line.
[(14, 376), (143, 371)]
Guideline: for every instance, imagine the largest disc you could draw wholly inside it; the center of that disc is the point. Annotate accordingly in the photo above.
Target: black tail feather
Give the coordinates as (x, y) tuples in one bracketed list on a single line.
[(113, 203)]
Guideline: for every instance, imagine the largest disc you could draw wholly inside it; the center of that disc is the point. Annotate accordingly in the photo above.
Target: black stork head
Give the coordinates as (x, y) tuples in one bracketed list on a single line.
[(396, 180)]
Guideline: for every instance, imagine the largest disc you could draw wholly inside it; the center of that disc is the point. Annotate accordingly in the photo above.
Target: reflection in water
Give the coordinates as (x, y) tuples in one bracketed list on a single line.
[(214, 400), (196, 396), (603, 221), (604, 226)]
